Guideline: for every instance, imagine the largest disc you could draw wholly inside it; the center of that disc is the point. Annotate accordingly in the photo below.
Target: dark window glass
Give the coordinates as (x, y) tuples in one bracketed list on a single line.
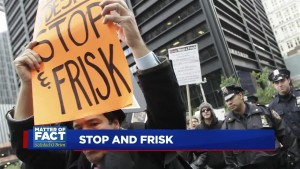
[(134, 2), (185, 38), (207, 53), (152, 10), (169, 23)]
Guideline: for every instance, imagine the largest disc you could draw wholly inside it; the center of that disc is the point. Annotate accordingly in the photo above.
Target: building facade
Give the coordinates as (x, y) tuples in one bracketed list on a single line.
[(20, 16), (1, 6), (6, 153), (8, 83), (234, 37), (4, 131), (284, 17), (292, 62)]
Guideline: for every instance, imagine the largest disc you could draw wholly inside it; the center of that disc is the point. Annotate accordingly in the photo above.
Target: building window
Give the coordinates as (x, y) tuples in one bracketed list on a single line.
[(297, 41), (298, 23), (274, 3), (152, 10), (283, 29), (185, 38), (169, 23), (290, 44), (207, 53), (291, 26), (134, 2)]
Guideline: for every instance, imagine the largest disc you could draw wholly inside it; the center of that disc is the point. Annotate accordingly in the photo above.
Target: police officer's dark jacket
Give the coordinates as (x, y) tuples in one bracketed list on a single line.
[(258, 117), (163, 99), (288, 107)]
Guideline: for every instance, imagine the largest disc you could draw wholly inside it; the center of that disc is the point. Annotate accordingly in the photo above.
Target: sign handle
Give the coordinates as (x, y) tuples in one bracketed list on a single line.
[(189, 104)]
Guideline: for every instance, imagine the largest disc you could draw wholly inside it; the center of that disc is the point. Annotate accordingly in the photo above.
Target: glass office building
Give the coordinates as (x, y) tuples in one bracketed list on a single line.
[(234, 37), (8, 82)]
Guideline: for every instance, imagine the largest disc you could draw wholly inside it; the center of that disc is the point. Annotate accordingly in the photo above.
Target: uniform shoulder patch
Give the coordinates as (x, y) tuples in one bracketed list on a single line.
[(275, 115)]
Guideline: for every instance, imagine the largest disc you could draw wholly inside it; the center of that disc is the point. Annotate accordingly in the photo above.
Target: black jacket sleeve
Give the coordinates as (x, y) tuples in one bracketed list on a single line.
[(229, 157), (200, 161), (35, 158), (165, 108), (284, 135)]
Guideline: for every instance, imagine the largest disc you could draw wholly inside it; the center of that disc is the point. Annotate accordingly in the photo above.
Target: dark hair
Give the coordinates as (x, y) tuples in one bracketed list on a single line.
[(113, 115)]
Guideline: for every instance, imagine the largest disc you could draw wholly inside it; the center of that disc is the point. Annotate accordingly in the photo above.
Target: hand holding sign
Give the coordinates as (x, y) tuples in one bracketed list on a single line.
[(26, 61), (82, 68), (126, 25)]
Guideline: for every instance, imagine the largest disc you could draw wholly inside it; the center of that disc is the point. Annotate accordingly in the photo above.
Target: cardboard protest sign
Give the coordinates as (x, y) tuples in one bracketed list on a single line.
[(84, 70)]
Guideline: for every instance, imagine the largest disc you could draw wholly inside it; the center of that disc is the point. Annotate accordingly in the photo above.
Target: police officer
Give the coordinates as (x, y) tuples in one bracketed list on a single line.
[(244, 116), (287, 101)]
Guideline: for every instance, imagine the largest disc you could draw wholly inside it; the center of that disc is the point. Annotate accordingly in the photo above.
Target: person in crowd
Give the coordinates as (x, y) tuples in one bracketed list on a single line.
[(252, 99), (190, 156), (287, 100), (161, 92), (209, 121), (195, 123), (245, 116)]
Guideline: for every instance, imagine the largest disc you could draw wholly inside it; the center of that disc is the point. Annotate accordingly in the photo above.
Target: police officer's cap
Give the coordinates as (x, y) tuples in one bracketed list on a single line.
[(230, 91), (279, 74), (252, 99)]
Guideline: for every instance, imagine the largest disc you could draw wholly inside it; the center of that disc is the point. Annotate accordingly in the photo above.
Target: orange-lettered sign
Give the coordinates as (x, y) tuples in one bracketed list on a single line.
[(84, 70)]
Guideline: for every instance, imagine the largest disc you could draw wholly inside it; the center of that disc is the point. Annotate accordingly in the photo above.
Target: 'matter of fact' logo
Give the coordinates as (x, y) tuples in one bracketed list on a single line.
[(49, 136)]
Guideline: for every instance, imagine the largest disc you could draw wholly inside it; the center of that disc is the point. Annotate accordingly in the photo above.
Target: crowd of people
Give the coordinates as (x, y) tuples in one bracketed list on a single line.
[(163, 99), (282, 115)]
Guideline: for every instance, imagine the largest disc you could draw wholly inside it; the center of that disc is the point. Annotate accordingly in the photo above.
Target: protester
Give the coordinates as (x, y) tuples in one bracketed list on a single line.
[(209, 121), (195, 123), (161, 92), (245, 116), (287, 101), (190, 156)]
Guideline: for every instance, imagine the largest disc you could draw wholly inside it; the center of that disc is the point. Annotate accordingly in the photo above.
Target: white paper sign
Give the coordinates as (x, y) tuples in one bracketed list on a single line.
[(186, 64)]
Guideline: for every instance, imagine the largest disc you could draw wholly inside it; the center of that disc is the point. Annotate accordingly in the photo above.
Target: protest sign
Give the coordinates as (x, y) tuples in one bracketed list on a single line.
[(84, 70), (186, 64), (138, 101)]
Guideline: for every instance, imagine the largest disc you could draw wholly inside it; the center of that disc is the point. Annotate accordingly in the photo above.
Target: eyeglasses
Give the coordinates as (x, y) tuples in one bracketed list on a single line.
[(205, 110)]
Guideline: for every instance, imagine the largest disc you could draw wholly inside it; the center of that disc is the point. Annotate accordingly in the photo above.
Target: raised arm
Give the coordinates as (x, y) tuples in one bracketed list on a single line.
[(25, 63), (165, 107), (116, 11)]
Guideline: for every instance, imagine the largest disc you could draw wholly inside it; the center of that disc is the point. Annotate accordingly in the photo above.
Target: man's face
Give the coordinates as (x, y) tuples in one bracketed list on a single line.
[(282, 86), (235, 103), (95, 122), (195, 123)]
